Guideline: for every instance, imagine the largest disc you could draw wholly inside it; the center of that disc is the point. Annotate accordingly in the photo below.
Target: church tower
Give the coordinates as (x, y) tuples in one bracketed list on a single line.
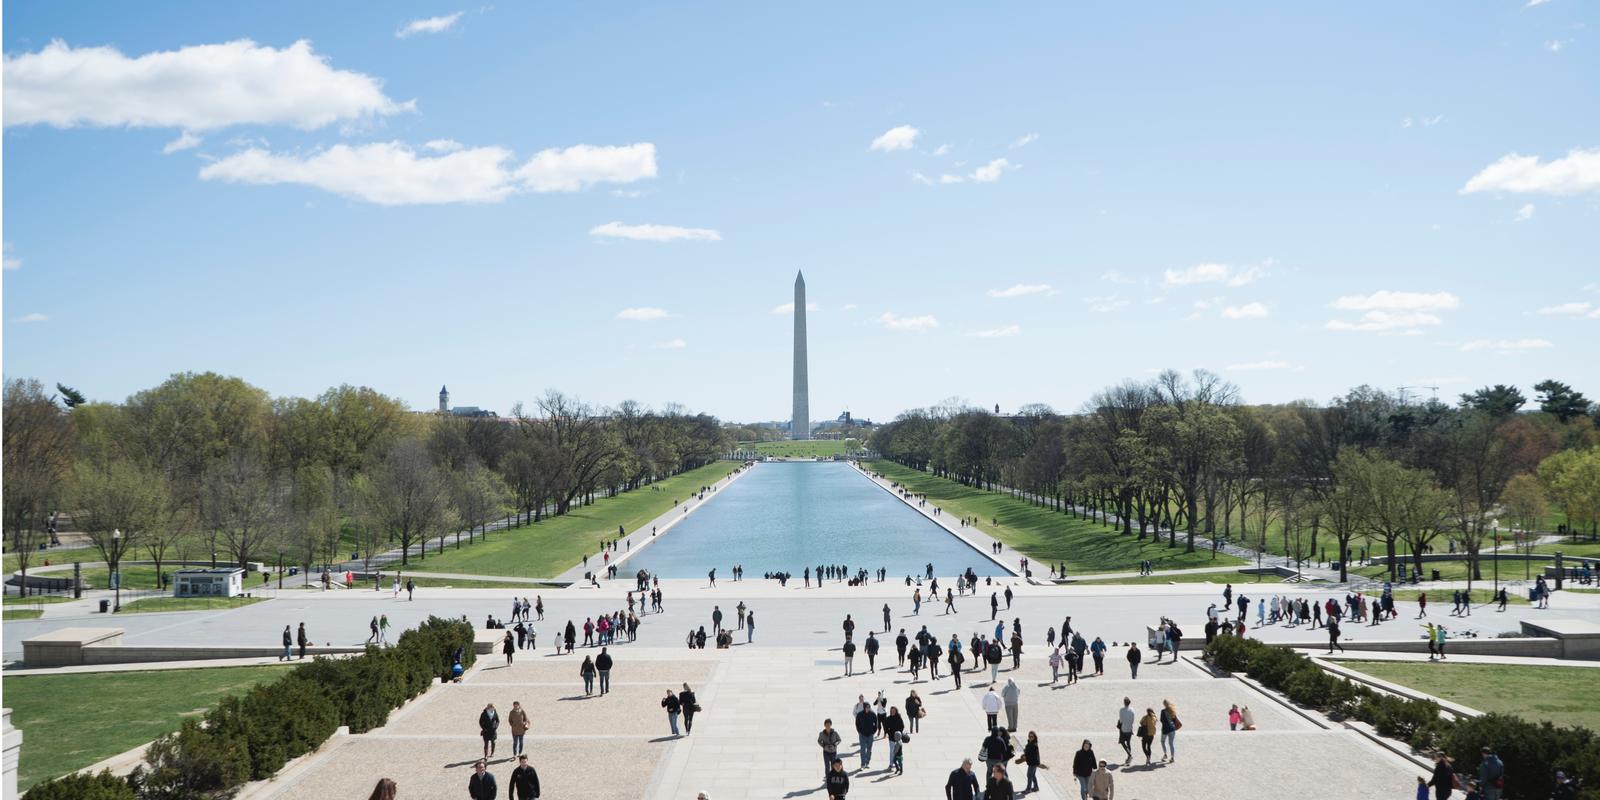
[(444, 399)]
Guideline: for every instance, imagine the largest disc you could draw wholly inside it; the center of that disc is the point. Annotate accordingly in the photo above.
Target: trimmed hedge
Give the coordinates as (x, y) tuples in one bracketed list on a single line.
[(251, 736), (1532, 752), (83, 786)]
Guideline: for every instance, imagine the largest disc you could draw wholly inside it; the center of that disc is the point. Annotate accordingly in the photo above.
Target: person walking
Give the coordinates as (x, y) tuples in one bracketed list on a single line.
[(1098, 650), (1011, 694), (302, 639), (602, 664), (517, 720), (1491, 774), (866, 732), (994, 605), (1008, 598), (849, 656), (849, 627), (1169, 732), (999, 787), (914, 711), (1030, 756), (962, 783), (1101, 784), (508, 647), (1055, 664), (716, 618), (686, 702), (828, 740), (885, 617), (838, 781), (1125, 726), (524, 783), (991, 707), (372, 636), (383, 629), (1083, 766), (894, 730), (288, 645), (956, 660), (1333, 636), (749, 627), (900, 643), (670, 703), (871, 646), (587, 670), (1444, 777), (1148, 724), (1134, 657), (488, 729), (481, 785), (739, 612), (993, 654)]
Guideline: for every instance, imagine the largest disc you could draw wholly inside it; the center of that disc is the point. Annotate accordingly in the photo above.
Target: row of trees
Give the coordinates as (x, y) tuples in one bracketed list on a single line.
[(205, 460), (1183, 454)]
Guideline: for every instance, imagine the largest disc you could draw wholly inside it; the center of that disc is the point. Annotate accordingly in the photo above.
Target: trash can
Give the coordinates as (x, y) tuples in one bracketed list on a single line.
[(1435, 574), (105, 606)]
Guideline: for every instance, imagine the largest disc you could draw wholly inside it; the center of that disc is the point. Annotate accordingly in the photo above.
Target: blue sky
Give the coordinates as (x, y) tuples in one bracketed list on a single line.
[(1008, 204)]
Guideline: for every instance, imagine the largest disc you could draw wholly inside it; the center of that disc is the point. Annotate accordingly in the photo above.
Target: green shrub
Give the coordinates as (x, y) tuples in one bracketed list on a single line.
[(1532, 752), (192, 764), (82, 786)]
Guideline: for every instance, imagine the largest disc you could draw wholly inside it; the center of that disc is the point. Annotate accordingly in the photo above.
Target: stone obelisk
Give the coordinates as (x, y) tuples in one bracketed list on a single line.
[(800, 422)]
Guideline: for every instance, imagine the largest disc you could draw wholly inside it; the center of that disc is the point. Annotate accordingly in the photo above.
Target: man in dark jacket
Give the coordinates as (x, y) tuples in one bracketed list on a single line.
[(962, 784), (999, 787), (488, 728), (686, 702), (524, 781), (872, 652), (288, 642), (481, 785), (303, 639), (838, 781), (602, 663), (866, 731), (900, 644)]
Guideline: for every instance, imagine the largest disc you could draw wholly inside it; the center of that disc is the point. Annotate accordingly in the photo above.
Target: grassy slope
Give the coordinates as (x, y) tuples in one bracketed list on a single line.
[(1218, 578), (805, 449), (149, 604), (55, 556), (1045, 535), (1562, 695), (72, 721), (551, 546), (21, 613)]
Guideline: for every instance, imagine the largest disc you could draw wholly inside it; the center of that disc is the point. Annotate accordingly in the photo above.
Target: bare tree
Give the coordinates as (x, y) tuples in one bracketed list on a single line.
[(479, 497), (243, 504), (117, 505), (406, 496), (38, 444)]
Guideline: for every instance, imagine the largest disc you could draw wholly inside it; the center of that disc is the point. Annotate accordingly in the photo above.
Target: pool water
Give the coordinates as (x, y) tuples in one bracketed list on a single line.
[(786, 516)]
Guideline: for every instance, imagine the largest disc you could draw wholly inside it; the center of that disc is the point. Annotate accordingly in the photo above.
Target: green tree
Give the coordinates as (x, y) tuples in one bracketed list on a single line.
[(38, 445), (117, 505), (406, 497), (1498, 400), (1559, 399)]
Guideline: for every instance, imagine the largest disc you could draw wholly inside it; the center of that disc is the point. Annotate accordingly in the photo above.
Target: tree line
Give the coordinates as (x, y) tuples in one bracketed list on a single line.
[(1184, 455), (209, 462)]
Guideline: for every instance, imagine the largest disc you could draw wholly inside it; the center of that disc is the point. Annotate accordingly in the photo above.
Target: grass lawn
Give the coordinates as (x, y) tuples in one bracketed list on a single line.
[(424, 582), (553, 545), (72, 721), (21, 613), (1046, 535), (1457, 570), (1218, 578), (1570, 551), (186, 603), (37, 599), (1562, 695), (54, 556), (811, 448)]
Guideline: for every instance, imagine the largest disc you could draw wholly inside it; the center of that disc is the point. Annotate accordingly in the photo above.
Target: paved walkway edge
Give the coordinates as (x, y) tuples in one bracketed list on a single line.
[(1006, 551)]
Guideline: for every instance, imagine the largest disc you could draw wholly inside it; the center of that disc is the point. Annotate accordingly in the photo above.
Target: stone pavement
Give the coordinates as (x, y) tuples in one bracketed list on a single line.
[(763, 707)]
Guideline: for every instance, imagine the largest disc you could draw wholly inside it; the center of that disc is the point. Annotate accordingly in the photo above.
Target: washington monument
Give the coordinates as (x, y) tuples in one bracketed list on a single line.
[(800, 422)]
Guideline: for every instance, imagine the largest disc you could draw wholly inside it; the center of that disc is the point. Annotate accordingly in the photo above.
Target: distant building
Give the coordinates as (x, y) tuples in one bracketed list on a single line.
[(217, 582), (444, 399), (461, 411)]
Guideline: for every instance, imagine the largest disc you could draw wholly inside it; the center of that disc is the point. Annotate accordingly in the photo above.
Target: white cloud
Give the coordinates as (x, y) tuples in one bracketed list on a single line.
[(428, 25), (33, 318), (198, 88), (1025, 140), (1022, 289), (788, 308), (655, 233), (1595, 314), (643, 314), (849, 307), (1386, 300), (996, 333), (1246, 311), (11, 262), (948, 179), (1566, 309), (1257, 365), (991, 172), (1426, 122), (917, 324), (386, 173), (671, 344), (581, 165), (1386, 322), (1577, 173), (185, 141), (1211, 273), (1532, 3), (901, 138), (631, 194), (1106, 304), (391, 173), (1505, 345), (1115, 276), (942, 149), (1525, 213), (442, 145), (1555, 45)]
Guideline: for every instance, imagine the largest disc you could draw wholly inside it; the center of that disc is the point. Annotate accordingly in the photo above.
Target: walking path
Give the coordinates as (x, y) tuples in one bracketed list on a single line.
[(1007, 559)]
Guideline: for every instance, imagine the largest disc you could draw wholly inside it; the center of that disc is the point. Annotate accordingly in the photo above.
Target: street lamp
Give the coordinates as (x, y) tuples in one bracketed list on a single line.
[(116, 575), (1497, 560)]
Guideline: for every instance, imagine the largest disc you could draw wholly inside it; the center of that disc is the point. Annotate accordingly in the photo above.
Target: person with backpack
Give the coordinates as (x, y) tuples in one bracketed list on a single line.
[(1491, 774), (1169, 732)]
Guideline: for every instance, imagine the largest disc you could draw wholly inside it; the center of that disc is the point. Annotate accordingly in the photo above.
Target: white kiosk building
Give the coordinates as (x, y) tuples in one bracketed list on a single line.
[(217, 582)]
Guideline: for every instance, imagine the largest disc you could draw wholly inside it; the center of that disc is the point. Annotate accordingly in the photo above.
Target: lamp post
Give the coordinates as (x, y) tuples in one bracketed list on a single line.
[(1497, 560), (116, 575)]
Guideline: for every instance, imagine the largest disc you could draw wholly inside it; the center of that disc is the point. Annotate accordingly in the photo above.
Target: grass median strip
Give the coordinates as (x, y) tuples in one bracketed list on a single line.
[(1561, 695), (1049, 536)]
